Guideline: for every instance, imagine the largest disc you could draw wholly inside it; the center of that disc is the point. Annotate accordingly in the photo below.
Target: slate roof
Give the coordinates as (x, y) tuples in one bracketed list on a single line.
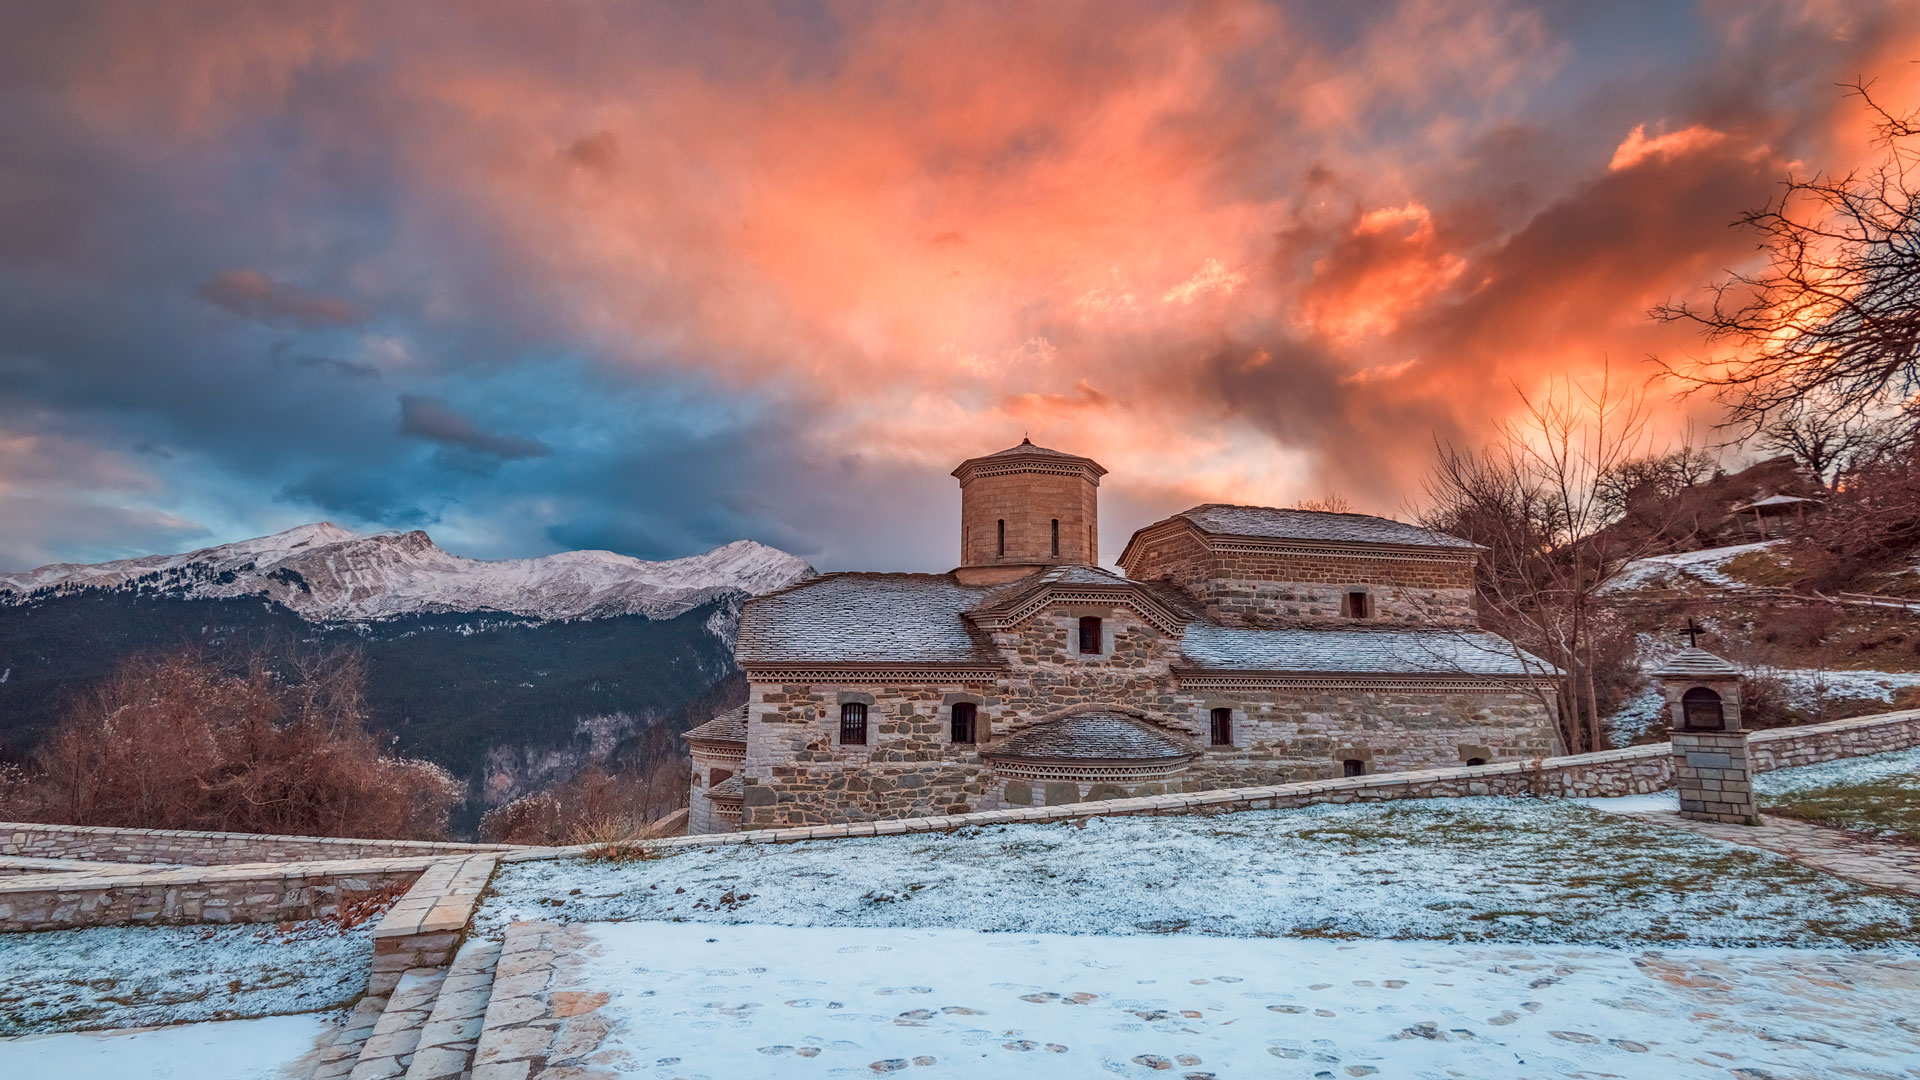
[(1354, 652), (730, 788), (1695, 663), (1027, 447), (1012, 593), (1092, 737), (1269, 522), (729, 726), (865, 618)]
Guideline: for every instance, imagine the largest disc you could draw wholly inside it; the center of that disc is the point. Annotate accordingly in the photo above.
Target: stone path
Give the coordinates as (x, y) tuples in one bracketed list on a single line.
[(1884, 864), (540, 1022)]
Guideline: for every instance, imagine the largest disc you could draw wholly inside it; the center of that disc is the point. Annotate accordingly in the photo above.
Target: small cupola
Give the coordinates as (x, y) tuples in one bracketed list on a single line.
[(1024, 509)]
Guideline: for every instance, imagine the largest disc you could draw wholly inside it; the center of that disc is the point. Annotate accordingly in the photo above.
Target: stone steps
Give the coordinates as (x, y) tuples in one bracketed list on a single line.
[(446, 1044), (389, 1047), (343, 1053)]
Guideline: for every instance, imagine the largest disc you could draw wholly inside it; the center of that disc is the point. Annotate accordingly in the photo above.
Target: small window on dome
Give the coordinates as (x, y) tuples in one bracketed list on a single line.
[(1358, 605), (1003, 538), (1056, 538)]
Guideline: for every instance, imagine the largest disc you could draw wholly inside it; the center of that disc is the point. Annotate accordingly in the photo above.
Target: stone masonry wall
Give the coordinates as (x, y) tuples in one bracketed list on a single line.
[(1274, 589), (798, 774), (1029, 503), (1636, 770), (191, 848), (227, 894)]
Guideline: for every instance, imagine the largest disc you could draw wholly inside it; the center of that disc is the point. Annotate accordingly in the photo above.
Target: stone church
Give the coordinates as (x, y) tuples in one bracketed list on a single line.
[(1245, 645)]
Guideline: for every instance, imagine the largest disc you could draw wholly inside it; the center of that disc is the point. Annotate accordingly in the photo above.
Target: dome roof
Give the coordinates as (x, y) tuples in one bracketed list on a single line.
[(1089, 737)]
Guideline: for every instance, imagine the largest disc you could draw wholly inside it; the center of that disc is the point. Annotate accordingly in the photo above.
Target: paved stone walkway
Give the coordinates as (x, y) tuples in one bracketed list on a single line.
[(1884, 864)]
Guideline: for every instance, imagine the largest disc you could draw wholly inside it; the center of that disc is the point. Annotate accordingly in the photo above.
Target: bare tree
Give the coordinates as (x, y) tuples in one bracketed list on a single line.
[(1835, 311), (178, 741), (1331, 503), (1821, 439), (1536, 500)]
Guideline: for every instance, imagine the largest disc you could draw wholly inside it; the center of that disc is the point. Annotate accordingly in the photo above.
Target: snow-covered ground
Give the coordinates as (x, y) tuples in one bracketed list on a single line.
[(736, 1001), (1510, 870), (264, 1049), (1846, 771), (1682, 568), (132, 976)]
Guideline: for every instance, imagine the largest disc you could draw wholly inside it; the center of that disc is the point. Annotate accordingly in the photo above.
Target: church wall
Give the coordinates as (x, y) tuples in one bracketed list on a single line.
[(797, 773), (701, 817), (1272, 589)]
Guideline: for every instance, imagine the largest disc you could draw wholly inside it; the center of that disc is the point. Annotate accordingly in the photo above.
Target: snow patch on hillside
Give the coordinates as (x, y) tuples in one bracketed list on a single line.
[(1682, 568), (325, 573)]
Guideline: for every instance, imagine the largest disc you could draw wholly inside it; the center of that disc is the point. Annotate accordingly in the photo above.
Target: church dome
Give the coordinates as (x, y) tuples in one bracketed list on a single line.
[(1091, 746)]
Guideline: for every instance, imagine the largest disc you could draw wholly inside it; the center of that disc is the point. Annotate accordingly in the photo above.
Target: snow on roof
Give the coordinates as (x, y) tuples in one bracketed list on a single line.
[(1275, 523), (1774, 500), (1695, 663), (1381, 652), (855, 617), (729, 726), (1092, 737)]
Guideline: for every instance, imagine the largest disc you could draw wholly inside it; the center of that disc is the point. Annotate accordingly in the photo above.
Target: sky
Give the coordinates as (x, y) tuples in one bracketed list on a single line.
[(656, 277)]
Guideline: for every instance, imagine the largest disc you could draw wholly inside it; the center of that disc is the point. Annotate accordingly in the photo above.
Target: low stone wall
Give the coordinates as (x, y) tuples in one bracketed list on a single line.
[(1636, 770), (187, 848), (270, 892)]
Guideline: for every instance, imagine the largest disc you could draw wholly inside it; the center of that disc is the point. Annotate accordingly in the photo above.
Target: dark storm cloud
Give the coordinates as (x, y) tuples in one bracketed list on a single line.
[(433, 419), (256, 296)]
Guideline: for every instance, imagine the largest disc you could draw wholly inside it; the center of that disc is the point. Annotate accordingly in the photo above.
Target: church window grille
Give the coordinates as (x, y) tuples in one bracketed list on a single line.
[(853, 724), (1090, 635), (1353, 767), (1222, 727), (965, 716)]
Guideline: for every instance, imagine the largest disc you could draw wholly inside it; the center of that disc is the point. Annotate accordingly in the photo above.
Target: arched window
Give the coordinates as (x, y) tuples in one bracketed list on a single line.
[(1003, 538), (1353, 767), (853, 724), (1358, 604), (1056, 538), (965, 713), (1090, 635), (1701, 710), (1222, 727)]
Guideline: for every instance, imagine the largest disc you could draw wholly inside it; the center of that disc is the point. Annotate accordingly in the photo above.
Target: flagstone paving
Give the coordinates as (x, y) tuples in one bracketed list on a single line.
[(1886, 864)]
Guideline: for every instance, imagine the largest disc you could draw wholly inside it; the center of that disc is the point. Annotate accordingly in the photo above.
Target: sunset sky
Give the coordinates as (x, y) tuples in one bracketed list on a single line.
[(654, 277)]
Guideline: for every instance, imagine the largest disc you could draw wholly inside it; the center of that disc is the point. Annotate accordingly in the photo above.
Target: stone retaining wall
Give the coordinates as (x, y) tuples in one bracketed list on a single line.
[(1636, 770), (270, 892), (188, 848)]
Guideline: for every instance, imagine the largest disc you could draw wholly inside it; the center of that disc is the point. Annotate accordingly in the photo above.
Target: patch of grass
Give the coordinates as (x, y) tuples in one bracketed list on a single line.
[(1887, 808), (1763, 568)]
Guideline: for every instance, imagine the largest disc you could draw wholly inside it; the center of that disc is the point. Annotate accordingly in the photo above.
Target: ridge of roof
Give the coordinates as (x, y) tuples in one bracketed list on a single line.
[(1274, 522)]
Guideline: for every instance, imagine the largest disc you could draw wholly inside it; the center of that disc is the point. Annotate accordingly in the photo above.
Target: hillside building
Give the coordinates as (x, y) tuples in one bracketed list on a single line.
[(1244, 645)]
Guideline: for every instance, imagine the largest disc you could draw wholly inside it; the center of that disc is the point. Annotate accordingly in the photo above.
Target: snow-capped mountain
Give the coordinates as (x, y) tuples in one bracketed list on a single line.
[(328, 574)]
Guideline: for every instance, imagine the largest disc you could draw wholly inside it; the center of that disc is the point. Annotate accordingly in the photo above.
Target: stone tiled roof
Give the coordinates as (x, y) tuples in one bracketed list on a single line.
[(1695, 663), (1371, 652), (865, 618), (730, 788), (1012, 593), (729, 726), (1027, 447), (1092, 737), (1269, 522)]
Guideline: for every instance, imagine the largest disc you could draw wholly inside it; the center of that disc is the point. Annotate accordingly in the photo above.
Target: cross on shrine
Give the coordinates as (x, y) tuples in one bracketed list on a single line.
[(1693, 633)]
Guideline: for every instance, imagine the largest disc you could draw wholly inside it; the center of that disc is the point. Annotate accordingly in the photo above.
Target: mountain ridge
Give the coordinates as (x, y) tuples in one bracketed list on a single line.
[(325, 573)]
